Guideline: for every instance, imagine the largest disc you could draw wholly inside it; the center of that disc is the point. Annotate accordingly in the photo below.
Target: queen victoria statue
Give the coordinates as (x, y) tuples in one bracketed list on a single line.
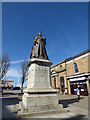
[(38, 49), (39, 97)]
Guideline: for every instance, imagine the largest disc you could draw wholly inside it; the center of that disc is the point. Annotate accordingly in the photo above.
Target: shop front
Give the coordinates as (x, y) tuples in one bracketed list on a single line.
[(81, 83), (82, 87)]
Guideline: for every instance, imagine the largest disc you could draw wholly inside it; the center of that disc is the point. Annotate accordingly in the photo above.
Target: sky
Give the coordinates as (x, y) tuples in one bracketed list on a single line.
[(64, 24)]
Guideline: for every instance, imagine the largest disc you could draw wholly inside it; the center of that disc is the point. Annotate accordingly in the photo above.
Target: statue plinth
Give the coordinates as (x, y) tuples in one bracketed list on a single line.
[(39, 74), (39, 96)]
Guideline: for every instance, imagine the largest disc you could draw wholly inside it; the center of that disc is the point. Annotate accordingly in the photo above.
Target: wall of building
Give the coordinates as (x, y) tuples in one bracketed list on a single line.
[(82, 65), (59, 70), (66, 69), (59, 67), (57, 76)]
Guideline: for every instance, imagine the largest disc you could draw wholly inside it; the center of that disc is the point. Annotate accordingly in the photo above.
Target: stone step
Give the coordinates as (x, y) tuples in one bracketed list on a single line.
[(26, 115), (39, 110)]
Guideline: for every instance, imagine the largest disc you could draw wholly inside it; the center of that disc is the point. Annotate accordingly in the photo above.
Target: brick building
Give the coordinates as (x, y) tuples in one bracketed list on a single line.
[(71, 73)]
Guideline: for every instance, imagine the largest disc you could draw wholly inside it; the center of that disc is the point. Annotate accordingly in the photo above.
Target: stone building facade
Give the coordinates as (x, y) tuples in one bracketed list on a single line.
[(71, 73)]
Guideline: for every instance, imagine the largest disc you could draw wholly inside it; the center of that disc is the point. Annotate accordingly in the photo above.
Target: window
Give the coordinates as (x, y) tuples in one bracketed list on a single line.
[(62, 82), (81, 86), (53, 72), (60, 65), (54, 82), (75, 86), (75, 68)]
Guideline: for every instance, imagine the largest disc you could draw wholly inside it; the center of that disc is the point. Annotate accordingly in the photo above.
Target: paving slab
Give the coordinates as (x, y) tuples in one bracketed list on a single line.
[(77, 109)]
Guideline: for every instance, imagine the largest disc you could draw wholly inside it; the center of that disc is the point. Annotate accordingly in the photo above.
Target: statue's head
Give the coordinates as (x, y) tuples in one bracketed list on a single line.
[(39, 34)]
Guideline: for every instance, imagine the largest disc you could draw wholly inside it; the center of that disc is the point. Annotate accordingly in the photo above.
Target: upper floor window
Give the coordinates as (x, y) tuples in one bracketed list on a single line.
[(75, 68), (60, 65)]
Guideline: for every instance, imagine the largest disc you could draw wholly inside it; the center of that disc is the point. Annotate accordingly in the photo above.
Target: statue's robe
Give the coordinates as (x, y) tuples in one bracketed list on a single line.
[(39, 50)]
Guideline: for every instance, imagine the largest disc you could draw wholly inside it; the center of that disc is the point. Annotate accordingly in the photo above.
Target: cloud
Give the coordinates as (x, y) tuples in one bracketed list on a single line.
[(18, 61), (13, 73)]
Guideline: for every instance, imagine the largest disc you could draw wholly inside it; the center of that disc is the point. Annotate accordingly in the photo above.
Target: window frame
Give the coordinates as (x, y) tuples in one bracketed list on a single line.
[(62, 81), (75, 68)]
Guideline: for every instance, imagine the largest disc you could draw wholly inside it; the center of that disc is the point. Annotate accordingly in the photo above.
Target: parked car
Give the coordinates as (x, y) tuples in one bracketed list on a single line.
[(16, 88)]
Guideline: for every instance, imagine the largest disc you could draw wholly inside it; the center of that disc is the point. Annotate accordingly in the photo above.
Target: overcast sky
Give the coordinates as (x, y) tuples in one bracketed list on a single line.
[(65, 26)]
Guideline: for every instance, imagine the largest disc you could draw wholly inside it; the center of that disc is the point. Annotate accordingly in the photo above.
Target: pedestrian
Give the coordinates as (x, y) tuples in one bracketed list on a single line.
[(78, 93)]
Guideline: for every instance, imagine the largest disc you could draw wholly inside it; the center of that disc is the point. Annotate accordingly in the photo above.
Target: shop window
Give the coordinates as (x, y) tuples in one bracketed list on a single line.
[(81, 86), (75, 68), (85, 86), (75, 86)]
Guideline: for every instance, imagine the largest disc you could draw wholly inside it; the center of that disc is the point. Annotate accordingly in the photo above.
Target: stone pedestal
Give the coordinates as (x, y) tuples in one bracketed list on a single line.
[(39, 96)]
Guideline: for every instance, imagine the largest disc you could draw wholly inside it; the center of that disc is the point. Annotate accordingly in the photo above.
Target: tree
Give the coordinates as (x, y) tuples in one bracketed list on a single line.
[(23, 73), (4, 67)]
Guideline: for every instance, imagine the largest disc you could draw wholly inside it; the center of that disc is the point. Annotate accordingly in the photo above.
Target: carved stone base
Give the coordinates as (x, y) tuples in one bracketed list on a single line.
[(39, 97)]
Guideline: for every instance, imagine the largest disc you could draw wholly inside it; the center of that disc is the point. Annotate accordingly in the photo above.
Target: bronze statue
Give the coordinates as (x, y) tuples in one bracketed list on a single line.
[(38, 49)]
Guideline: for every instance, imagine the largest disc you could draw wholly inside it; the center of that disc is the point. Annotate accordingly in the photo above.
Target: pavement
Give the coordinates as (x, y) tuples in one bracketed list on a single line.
[(76, 109), (8, 104)]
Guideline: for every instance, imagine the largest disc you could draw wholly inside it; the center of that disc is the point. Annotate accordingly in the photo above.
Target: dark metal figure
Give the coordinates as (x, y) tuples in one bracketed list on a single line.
[(38, 49)]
